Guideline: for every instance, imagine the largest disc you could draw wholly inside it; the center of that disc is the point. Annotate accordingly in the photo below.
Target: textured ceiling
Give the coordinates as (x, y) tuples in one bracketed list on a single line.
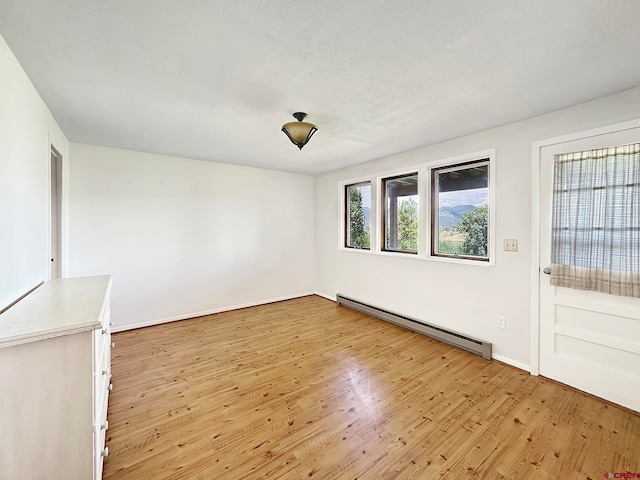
[(215, 80)]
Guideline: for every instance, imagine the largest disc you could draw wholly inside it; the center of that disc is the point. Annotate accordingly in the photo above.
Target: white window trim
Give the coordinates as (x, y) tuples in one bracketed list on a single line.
[(424, 209)]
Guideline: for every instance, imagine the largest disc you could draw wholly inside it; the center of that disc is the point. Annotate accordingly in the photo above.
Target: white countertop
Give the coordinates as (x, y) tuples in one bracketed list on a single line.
[(59, 307)]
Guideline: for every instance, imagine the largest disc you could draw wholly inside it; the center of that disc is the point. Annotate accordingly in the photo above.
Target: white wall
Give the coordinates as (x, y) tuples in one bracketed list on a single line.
[(460, 297), (26, 128), (183, 237)]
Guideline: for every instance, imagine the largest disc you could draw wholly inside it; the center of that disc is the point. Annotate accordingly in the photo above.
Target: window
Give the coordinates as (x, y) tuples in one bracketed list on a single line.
[(595, 221), (357, 229), (460, 210), (458, 228), (400, 213)]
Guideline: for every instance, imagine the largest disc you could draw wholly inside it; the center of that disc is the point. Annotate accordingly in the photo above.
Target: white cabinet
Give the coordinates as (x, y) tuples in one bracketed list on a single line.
[(55, 377)]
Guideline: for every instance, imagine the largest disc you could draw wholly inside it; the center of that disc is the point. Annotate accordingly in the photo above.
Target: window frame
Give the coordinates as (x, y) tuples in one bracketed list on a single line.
[(423, 170), (383, 211), (346, 214), (435, 210)]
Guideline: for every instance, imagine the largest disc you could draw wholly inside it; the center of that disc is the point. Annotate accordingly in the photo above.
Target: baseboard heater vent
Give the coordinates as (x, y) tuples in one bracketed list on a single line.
[(470, 344)]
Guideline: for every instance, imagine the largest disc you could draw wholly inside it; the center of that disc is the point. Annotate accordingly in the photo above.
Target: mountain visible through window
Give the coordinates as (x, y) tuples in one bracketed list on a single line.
[(460, 211)]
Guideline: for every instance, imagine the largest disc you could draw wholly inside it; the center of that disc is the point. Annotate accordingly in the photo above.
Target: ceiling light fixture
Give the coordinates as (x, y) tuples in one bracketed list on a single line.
[(299, 132)]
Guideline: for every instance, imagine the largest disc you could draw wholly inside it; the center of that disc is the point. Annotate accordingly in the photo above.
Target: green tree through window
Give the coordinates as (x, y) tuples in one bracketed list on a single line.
[(474, 224), (400, 213), (357, 223), (408, 225), (358, 235)]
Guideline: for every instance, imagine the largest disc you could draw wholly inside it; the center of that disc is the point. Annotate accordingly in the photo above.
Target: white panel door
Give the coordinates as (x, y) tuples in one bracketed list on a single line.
[(588, 340)]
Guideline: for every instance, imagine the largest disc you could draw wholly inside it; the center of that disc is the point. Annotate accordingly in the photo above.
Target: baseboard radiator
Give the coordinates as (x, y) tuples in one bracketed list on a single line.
[(470, 344)]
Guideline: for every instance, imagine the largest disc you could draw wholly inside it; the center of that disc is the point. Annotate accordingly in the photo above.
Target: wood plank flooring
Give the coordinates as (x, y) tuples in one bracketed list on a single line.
[(307, 389)]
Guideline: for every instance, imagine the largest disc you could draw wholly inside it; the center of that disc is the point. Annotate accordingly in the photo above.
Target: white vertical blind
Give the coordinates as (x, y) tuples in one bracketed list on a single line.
[(596, 220)]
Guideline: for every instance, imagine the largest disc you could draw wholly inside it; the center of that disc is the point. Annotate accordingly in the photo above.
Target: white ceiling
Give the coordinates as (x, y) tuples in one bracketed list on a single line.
[(215, 80)]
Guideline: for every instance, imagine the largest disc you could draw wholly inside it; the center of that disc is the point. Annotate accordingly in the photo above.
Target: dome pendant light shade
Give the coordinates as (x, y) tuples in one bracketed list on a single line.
[(299, 132)]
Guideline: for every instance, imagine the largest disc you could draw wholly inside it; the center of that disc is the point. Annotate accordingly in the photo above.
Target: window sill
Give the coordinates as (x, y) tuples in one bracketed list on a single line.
[(355, 250), (413, 256)]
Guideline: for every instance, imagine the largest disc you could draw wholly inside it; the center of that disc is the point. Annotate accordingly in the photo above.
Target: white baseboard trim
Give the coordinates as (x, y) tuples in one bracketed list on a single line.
[(513, 363), (328, 297), (151, 323)]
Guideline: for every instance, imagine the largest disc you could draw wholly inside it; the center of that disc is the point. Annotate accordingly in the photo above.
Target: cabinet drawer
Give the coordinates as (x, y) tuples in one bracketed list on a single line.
[(102, 338), (99, 453), (101, 405), (106, 318), (102, 379)]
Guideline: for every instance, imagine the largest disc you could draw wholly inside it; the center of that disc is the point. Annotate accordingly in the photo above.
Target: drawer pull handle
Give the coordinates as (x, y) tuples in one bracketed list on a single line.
[(104, 331), (105, 425), (113, 344), (105, 452), (104, 372), (110, 386)]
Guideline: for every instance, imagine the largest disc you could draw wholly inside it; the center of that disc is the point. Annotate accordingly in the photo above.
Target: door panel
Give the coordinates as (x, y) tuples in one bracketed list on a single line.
[(589, 340)]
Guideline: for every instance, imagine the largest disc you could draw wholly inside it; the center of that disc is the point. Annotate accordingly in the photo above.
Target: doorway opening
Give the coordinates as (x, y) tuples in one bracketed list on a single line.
[(55, 253)]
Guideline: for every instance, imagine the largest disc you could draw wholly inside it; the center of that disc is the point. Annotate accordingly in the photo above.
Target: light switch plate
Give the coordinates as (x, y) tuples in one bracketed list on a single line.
[(511, 245)]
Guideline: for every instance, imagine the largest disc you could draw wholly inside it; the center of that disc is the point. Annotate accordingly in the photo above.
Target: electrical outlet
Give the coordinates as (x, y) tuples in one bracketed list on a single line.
[(511, 245), (502, 322)]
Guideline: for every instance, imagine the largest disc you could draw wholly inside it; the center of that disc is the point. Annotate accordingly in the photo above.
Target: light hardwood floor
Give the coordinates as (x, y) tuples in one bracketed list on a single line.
[(306, 389)]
